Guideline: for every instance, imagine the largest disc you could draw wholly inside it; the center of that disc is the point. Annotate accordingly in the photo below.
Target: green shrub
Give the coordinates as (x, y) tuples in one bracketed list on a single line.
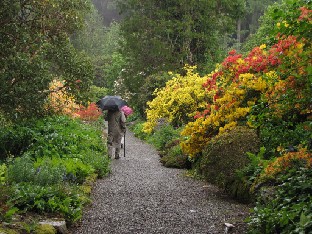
[(61, 154), (3, 174), (14, 140), (21, 169), (290, 209), (175, 158), (64, 200), (61, 137), (224, 156), (64, 137), (137, 130), (164, 134)]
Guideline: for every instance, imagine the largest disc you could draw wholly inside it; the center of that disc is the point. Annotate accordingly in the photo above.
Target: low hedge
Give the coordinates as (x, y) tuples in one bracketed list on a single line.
[(224, 156)]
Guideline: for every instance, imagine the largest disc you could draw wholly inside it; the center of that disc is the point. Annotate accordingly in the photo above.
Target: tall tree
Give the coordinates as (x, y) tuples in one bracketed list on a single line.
[(108, 11), (101, 44), (35, 49), (249, 23), (165, 35)]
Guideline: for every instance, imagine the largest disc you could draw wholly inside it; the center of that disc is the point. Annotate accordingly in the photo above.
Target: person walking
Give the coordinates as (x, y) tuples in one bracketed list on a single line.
[(116, 121)]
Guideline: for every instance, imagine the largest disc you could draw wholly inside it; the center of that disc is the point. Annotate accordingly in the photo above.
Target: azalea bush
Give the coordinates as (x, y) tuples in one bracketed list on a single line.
[(288, 210), (268, 89), (89, 113), (240, 85), (178, 101), (60, 101)]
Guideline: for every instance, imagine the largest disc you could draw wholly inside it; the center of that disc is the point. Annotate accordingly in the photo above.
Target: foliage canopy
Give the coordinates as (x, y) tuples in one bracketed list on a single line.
[(35, 49)]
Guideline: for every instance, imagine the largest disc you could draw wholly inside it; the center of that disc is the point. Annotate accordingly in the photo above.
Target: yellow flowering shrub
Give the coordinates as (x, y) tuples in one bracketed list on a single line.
[(177, 102), (60, 101)]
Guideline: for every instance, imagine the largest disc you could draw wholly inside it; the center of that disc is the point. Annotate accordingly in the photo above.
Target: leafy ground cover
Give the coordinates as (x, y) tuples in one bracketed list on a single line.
[(51, 173)]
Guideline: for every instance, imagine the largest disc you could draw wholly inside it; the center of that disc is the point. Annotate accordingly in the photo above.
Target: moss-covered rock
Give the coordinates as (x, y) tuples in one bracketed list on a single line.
[(45, 229), (226, 154), (7, 231)]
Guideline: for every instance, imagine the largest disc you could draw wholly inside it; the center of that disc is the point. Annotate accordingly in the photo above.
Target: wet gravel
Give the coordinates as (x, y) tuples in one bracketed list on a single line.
[(142, 196)]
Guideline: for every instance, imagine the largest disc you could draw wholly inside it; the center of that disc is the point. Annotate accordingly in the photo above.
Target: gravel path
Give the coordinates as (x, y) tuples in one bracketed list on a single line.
[(142, 196)]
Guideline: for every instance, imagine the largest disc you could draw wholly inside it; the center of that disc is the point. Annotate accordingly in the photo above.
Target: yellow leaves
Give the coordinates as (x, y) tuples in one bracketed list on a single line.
[(250, 103), (230, 105), (194, 137)]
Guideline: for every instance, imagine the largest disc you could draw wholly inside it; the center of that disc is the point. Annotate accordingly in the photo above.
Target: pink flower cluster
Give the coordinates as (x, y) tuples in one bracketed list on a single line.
[(127, 110)]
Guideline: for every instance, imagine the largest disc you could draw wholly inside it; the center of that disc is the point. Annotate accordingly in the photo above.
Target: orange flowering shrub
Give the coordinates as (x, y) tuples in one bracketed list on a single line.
[(283, 164), (286, 161), (233, 88)]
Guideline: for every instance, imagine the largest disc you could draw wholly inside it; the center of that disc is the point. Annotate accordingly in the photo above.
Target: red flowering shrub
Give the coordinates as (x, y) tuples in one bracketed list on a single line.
[(90, 113)]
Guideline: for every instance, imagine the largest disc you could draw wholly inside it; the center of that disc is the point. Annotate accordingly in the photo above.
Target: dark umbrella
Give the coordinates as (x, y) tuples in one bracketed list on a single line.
[(111, 103)]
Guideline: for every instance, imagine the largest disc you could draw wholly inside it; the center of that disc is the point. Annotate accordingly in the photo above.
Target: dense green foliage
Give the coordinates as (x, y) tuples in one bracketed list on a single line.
[(35, 49), (289, 208), (49, 174)]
